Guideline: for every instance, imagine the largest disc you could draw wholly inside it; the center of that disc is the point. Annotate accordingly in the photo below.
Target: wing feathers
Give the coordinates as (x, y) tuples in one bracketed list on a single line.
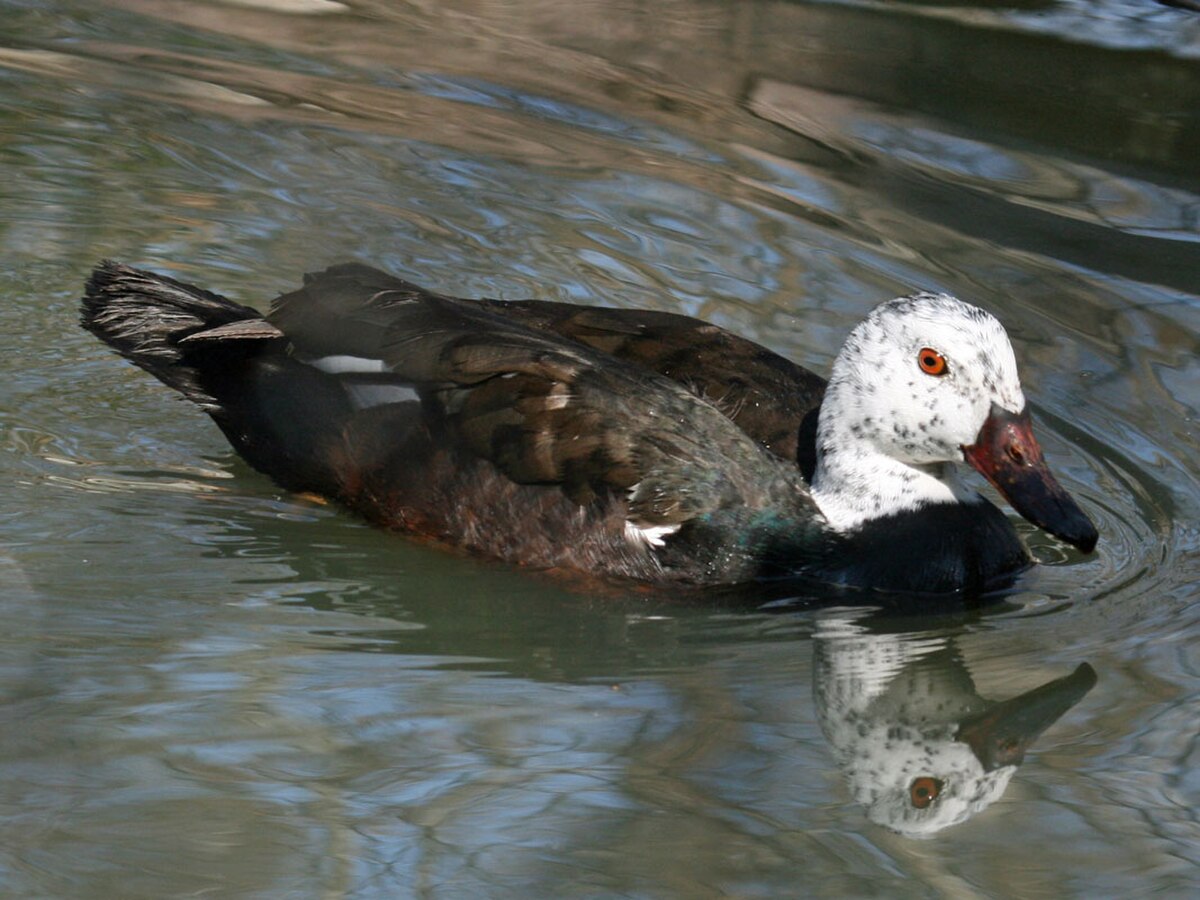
[(544, 406)]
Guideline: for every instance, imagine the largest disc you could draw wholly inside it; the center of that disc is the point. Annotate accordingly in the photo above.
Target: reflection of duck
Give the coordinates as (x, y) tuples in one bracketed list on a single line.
[(629, 443), (920, 748)]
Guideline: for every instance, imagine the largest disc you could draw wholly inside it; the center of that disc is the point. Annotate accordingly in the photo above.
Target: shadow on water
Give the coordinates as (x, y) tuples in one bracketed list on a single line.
[(482, 614)]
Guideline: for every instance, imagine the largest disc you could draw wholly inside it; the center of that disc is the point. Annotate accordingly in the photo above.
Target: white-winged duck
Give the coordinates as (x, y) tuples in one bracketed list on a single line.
[(637, 444)]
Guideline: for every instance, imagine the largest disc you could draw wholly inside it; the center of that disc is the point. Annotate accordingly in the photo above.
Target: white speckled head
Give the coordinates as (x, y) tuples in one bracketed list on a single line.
[(912, 385), (882, 779)]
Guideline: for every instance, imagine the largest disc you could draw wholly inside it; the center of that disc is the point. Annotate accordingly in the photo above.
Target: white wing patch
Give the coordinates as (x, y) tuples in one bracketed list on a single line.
[(364, 392), (379, 394), (651, 535), (339, 365)]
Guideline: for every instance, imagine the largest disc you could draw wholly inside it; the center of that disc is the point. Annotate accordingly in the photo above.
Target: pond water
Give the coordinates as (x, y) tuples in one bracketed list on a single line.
[(210, 687)]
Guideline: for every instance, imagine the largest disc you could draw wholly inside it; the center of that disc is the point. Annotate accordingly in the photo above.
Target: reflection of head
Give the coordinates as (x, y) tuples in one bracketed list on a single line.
[(918, 780), (920, 748)]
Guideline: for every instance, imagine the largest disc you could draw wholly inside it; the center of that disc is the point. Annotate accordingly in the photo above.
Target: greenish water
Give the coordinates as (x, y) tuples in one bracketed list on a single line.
[(208, 687)]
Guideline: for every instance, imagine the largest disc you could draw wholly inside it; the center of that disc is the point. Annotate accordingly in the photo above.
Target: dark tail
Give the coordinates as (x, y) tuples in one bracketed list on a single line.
[(279, 414), (165, 326)]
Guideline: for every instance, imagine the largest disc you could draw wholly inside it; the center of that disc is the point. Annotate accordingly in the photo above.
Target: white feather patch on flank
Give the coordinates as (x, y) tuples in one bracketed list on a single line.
[(339, 365), (379, 394), (651, 535)]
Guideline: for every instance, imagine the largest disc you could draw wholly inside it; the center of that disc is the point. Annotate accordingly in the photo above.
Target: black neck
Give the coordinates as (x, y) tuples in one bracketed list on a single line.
[(967, 548)]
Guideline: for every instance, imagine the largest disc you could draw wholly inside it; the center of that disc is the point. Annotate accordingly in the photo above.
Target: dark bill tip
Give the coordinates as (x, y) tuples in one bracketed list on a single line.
[(1000, 735), (1007, 454)]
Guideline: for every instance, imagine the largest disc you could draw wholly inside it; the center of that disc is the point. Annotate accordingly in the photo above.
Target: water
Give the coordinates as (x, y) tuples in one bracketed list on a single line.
[(212, 687)]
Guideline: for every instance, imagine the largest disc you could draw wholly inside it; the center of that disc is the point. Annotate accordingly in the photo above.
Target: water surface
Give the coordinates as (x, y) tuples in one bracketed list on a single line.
[(210, 686)]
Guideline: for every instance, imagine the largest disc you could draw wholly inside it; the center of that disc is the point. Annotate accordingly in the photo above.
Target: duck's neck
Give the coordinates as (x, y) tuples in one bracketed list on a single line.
[(855, 484)]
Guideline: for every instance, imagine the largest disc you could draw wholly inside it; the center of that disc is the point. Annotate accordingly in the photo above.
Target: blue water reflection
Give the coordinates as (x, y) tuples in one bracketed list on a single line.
[(209, 686)]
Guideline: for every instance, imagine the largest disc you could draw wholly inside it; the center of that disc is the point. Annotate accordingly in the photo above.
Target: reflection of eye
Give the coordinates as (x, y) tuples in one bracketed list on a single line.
[(931, 362), (924, 791)]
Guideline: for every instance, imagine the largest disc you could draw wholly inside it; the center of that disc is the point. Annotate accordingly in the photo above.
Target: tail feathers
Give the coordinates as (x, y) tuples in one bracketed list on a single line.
[(148, 319)]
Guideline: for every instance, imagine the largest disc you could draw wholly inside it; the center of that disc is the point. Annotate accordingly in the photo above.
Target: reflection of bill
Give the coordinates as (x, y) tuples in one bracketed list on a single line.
[(920, 748)]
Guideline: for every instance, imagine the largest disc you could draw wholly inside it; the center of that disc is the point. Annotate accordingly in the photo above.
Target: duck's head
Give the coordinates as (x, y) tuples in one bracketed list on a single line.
[(922, 383), (924, 763)]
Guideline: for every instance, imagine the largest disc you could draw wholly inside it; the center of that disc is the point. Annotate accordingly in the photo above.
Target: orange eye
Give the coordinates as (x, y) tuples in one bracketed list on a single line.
[(931, 362), (924, 790)]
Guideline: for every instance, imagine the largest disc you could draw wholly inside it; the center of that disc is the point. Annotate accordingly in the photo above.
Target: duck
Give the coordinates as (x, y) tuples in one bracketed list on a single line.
[(636, 446)]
